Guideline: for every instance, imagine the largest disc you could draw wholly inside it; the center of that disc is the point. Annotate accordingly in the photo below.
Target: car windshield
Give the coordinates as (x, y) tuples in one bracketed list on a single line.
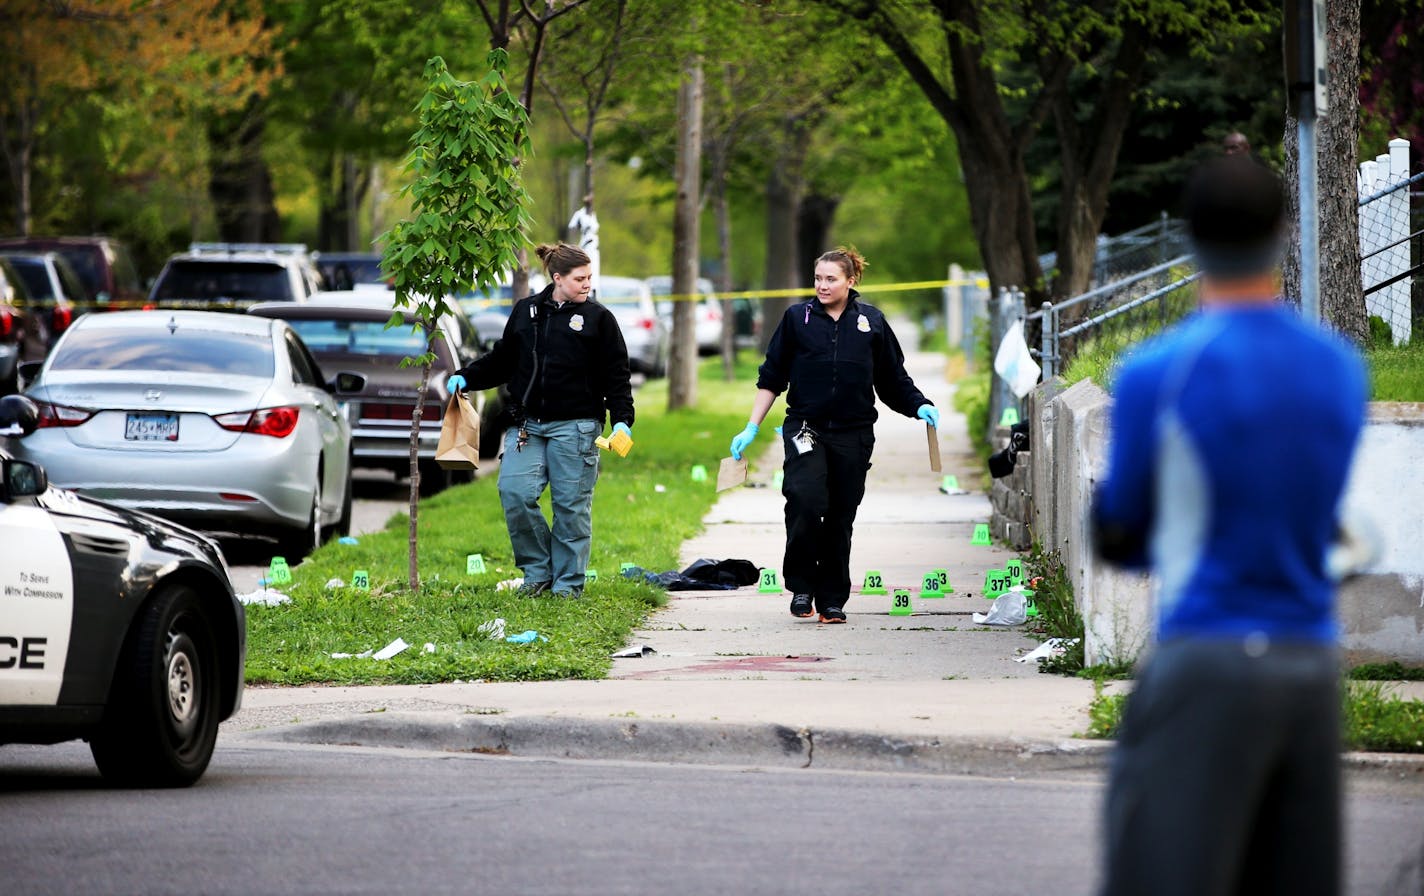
[(36, 277), (257, 281), (362, 337), (198, 351), (357, 269), (87, 262)]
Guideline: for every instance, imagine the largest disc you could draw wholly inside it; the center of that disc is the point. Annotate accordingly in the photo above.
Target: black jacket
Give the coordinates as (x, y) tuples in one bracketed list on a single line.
[(562, 362), (836, 368)]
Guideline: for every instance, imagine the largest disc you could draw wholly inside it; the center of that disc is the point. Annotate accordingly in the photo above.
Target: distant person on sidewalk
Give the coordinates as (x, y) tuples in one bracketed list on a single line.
[(835, 353), (567, 369), (1235, 144), (1232, 437)]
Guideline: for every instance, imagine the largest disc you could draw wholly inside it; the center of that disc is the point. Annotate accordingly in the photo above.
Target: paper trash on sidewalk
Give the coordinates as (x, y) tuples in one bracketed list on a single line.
[(731, 473), (494, 629), (1050, 648), (263, 597), (637, 651)]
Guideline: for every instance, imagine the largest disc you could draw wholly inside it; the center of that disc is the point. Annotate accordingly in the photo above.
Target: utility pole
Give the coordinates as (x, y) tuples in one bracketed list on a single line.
[(1306, 86)]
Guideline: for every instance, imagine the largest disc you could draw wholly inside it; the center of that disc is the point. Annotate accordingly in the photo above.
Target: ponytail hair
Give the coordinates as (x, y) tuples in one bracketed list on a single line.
[(560, 258), (851, 261)]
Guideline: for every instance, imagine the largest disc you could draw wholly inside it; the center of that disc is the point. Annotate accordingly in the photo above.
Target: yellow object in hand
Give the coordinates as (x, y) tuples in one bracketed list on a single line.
[(621, 443)]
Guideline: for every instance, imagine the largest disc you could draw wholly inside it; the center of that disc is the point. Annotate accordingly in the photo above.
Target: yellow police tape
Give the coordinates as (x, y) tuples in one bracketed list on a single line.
[(980, 282)]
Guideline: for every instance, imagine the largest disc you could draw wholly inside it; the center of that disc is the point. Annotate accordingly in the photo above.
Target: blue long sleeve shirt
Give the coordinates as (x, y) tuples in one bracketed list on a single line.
[(1232, 436)]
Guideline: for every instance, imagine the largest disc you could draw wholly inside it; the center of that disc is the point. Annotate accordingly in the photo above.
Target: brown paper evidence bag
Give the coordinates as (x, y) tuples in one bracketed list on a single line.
[(459, 447)]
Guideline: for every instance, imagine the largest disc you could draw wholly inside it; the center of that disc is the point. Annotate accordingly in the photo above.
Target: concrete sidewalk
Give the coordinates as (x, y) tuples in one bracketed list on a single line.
[(733, 678)]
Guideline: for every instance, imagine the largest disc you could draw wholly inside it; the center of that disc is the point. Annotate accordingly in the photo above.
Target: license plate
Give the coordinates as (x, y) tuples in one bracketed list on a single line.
[(151, 427)]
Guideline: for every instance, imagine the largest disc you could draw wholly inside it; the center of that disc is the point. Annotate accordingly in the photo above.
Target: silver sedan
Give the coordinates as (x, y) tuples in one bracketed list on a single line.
[(219, 421)]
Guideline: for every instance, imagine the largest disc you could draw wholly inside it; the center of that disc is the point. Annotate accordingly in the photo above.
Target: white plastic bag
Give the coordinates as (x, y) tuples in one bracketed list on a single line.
[(1015, 363), (1010, 608)]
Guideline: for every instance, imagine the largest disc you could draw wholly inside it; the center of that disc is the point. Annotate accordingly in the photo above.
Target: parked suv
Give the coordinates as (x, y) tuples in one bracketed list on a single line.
[(234, 276), (24, 334), (103, 263), (56, 292)]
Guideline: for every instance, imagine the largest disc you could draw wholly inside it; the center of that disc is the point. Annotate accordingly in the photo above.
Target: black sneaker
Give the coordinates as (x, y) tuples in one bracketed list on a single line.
[(801, 606), (532, 589), (833, 616)]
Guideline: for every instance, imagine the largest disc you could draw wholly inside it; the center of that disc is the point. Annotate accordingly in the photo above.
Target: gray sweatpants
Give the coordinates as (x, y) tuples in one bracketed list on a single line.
[(1226, 777)]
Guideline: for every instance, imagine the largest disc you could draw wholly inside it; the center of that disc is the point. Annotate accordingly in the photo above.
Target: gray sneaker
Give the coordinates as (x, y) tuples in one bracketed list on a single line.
[(531, 589), (571, 594)]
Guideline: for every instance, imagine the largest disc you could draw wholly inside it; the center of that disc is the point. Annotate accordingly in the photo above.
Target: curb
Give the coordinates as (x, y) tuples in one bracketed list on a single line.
[(729, 744), (766, 745)]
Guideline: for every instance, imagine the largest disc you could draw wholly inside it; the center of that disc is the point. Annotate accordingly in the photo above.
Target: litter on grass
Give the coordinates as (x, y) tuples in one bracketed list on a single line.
[(494, 629), (384, 653), (333, 584), (528, 637), (264, 597)]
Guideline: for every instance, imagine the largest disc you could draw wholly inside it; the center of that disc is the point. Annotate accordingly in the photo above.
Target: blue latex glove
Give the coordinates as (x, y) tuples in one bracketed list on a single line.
[(623, 428), (930, 414), (455, 383), (744, 438)]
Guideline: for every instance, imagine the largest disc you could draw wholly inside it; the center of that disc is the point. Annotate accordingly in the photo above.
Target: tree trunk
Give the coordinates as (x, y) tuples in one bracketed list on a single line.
[(1342, 298), (723, 213), (813, 227), (1089, 157), (17, 140), (686, 240), (784, 189), (239, 181)]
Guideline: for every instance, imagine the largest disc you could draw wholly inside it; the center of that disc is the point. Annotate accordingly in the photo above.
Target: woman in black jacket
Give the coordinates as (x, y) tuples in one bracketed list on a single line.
[(835, 353), (564, 359)]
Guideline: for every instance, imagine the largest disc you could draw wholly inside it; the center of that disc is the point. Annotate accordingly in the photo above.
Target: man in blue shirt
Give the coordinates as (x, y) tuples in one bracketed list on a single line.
[(1232, 436)]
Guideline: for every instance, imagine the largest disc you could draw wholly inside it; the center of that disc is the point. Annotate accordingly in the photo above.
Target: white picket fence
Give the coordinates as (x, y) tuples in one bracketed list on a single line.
[(1385, 241)]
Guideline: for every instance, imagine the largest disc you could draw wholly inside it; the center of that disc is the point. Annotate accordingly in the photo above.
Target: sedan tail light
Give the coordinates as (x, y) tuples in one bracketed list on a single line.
[(646, 323), (61, 318), (276, 422), (7, 323), (61, 415)]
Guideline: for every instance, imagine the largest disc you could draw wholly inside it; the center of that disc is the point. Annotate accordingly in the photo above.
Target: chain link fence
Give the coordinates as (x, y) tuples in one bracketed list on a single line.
[(1392, 241)]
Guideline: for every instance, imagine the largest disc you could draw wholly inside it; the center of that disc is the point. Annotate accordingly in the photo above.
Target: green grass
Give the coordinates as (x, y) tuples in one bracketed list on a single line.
[(633, 522), (1391, 671), (1372, 719), (1397, 372)]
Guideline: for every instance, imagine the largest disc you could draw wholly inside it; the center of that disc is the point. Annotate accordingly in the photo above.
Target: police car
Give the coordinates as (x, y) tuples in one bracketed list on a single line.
[(115, 626)]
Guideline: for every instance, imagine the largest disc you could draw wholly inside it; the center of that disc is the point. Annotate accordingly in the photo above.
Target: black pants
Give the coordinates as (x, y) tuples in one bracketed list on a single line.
[(823, 488), (1226, 778)]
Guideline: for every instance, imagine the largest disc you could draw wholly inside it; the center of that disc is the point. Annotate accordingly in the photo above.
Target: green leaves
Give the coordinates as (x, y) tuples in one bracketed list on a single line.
[(469, 206)]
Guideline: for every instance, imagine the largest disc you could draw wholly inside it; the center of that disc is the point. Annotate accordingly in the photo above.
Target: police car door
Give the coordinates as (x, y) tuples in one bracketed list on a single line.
[(36, 603)]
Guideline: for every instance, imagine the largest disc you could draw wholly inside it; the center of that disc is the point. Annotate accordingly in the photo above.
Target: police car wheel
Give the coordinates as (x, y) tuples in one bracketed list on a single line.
[(162, 719)]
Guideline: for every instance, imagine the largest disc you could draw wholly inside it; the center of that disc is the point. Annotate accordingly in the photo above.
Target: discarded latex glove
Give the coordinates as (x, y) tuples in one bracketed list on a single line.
[(528, 637), (347, 539)]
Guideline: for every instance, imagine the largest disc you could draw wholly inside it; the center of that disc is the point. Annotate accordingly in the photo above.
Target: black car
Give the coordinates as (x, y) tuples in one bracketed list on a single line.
[(347, 330), (115, 627)]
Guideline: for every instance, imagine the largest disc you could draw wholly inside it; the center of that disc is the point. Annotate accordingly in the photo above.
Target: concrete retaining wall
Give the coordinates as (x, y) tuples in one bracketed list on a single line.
[(1381, 612)]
